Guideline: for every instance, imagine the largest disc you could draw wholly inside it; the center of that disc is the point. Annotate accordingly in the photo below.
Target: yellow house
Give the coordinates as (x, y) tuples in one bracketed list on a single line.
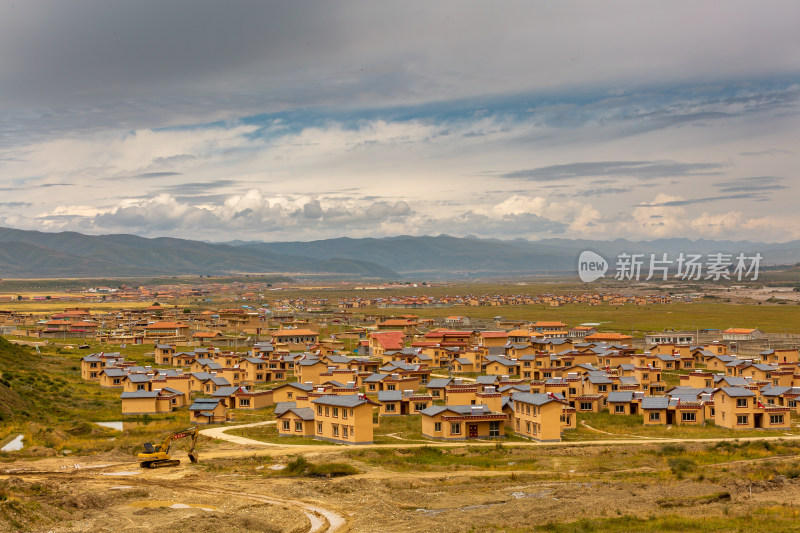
[(394, 403), (288, 392), (538, 416), (462, 422), (739, 408), (293, 421), (150, 402), (208, 411), (345, 419)]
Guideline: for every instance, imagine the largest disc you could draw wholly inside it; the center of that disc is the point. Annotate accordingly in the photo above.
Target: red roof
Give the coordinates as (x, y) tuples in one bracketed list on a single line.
[(389, 340)]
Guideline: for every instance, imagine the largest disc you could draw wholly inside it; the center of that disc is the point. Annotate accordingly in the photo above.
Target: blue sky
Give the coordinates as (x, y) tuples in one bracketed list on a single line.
[(308, 120)]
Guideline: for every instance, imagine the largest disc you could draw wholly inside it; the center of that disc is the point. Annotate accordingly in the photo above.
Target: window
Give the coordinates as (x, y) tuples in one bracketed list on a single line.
[(517, 424), (455, 428), (655, 416), (792, 403), (419, 407), (319, 427), (319, 409), (372, 387), (602, 388), (619, 408), (335, 412), (289, 395), (298, 426), (437, 426), (527, 427), (741, 402), (244, 402), (286, 425), (573, 391), (335, 430), (344, 432), (776, 419), (741, 420), (688, 417), (586, 406), (527, 409), (327, 411), (344, 414), (494, 428), (260, 377), (390, 386), (390, 408)]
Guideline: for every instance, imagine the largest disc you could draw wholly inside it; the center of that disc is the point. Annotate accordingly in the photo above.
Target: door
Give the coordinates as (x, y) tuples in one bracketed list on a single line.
[(473, 430)]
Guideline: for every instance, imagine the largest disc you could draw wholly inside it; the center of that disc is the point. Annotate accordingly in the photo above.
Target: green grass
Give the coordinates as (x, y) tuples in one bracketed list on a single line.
[(431, 458), (627, 426), (639, 319), (270, 434), (775, 519)]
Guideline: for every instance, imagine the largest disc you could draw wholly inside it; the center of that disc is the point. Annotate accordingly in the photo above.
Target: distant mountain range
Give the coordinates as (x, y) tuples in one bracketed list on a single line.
[(31, 254)]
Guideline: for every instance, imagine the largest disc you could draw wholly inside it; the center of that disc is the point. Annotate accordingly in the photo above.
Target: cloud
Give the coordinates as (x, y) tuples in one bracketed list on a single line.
[(755, 185), (675, 203), (630, 169)]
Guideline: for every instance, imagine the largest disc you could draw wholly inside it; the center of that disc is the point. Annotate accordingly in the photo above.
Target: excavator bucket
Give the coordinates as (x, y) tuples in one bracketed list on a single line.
[(193, 457)]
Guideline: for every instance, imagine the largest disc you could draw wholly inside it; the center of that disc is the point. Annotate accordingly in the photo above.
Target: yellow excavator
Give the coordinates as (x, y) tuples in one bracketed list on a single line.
[(156, 456)]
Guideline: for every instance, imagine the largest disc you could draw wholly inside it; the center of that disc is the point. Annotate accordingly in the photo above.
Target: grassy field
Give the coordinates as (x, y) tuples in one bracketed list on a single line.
[(638, 319), (603, 423)]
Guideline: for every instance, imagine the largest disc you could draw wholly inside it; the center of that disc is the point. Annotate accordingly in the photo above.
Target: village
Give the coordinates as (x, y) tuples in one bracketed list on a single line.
[(528, 379)]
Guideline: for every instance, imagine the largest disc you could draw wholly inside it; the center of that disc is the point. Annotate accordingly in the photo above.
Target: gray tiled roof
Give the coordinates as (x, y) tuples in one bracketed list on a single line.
[(139, 394), (655, 402), (458, 409), (536, 398), (346, 400), (390, 396), (440, 383), (738, 392), (620, 396)]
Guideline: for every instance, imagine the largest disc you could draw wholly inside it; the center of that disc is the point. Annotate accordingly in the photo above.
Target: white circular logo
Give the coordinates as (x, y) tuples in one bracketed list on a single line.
[(591, 266)]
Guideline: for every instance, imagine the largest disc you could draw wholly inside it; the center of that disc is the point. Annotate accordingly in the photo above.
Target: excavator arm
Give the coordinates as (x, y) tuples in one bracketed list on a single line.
[(158, 456)]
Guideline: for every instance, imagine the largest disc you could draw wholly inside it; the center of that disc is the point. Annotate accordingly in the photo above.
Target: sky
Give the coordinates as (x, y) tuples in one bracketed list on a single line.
[(283, 121)]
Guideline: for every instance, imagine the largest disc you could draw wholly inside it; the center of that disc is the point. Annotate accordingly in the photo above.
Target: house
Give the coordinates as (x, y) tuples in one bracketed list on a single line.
[(150, 402), (166, 331), (241, 398), (294, 421), (208, 411), (539, 416), (462, 422), (609, 337), (296, 339), (739, 408), (383, 341), (394, 403), (622, 403), (501, 366), (345, 419), (163, 353), (288, 392), (437, 387), (742, 334)]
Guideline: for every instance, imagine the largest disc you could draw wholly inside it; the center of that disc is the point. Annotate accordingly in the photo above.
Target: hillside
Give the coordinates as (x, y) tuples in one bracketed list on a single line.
[(12, 357), (27, 254)]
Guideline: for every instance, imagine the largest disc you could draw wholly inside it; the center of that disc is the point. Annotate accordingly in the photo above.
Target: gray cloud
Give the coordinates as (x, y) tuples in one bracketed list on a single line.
[(15, 204), (677, 203), (755, 185), (198, 188), (630, 169), (770, 151)]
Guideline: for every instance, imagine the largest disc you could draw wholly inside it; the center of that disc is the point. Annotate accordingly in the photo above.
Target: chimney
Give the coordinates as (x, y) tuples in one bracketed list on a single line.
[(395, 376), (504, 378), (638, 395), (489, 389), (309, 382), (459, 381), (408, 393), (477, 409), (351, 384)]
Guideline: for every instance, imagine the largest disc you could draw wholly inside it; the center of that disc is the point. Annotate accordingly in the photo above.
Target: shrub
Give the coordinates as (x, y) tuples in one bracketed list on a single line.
[(297, 466), (332, 470)]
